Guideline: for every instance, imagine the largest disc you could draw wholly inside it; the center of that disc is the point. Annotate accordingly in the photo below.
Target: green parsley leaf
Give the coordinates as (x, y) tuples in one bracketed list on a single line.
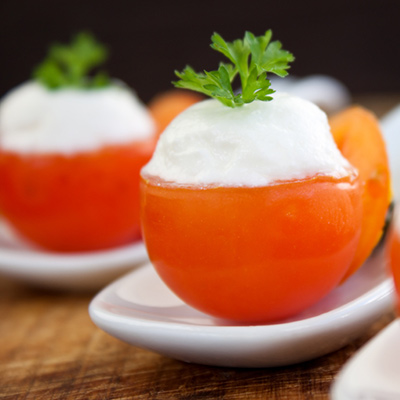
[(70, 65), (251, 59)]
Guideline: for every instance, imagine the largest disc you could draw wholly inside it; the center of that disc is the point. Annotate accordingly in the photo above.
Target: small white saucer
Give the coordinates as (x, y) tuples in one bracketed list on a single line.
[(374, 372), (139, 309), (72, 271), (326, 91)]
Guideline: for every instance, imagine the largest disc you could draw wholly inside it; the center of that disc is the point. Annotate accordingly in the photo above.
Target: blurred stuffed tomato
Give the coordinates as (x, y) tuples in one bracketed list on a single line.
[(71, 148)]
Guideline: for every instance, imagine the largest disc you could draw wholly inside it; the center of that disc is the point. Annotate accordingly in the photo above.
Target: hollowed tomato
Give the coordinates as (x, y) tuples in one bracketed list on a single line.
[(252, 254)]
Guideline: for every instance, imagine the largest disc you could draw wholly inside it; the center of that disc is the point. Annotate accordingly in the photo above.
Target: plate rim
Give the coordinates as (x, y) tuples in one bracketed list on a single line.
[(73, 262), (30, 260)]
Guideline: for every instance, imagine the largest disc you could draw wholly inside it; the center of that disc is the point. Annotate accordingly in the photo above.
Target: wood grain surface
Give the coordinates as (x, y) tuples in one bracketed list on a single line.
[(50, 349)]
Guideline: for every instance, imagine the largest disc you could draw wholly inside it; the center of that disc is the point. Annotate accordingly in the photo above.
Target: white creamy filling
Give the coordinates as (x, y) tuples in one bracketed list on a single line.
[(254, 145), (34, 119)]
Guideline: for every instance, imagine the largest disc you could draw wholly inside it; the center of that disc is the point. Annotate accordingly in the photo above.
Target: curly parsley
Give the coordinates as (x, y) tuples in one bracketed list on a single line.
[(251, 58)]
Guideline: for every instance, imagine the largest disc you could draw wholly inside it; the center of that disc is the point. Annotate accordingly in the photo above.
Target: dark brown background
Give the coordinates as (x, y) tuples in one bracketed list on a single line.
[(357, 41)]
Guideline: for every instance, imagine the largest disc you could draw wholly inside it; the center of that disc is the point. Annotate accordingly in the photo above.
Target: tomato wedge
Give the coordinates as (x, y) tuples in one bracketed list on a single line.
[(359, 138)]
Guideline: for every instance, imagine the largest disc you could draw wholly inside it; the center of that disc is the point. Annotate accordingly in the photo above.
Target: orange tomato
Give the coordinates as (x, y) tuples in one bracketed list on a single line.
[(252, 254), (80, 202), (394, 258), (167, 105), (358, 136)]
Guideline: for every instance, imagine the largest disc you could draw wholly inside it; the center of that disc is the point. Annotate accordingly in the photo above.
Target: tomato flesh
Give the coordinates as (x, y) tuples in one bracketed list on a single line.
[(80, 202), (252, 254)]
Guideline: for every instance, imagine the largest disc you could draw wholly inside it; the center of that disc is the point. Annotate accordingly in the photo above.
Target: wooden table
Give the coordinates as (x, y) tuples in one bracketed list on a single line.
[(50, 349)]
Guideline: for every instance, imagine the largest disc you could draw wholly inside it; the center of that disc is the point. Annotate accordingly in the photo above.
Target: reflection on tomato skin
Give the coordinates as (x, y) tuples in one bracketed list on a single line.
[(252, 254), (80, 202)]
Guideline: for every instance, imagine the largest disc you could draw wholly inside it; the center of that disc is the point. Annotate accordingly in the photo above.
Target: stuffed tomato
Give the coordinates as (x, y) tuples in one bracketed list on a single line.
[(241, 230), (70, 157)]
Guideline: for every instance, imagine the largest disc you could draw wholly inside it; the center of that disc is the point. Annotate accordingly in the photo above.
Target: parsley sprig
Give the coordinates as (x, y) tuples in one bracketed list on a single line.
[(70, 65), (251, 58)]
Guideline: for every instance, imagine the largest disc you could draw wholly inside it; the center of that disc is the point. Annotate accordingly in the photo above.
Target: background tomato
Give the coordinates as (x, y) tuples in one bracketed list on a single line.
[(165, 106), (394, 255)]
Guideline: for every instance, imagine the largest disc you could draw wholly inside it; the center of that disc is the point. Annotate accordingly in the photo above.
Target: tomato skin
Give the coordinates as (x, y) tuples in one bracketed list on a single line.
[(81, 202), (252, 254)]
